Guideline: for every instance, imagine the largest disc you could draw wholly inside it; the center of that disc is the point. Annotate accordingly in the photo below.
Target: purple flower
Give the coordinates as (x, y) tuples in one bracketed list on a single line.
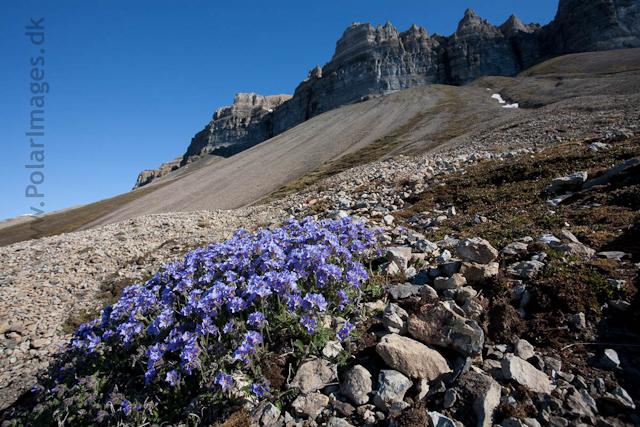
[(345, 330), (173, 377), (344, 299), (236, 304), (242, 352), (207, 327), (260, 389), (125, 407), (149, 375), (309, 323), (228, 327), (256, 319), (312, 301), (223, 380), (253, 338)]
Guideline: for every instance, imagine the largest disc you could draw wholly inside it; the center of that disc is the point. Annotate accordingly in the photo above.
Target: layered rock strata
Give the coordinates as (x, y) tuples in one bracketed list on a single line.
[(371, 61)]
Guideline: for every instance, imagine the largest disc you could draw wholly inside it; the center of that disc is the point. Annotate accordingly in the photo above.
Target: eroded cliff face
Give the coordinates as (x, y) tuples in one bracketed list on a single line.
[(248, 121), (591, 25), (371, 61)]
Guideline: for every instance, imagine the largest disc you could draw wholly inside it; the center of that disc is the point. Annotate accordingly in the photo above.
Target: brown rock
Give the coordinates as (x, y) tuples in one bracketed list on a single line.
[(477, 273), (411, 357), (438, 325)]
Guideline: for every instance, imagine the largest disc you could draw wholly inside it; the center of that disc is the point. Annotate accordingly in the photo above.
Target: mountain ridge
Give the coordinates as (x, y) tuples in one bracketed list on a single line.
[(372, 61)]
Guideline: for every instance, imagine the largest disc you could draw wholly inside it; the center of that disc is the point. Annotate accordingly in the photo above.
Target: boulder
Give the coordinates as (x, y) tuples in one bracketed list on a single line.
[(425, 246), (577, 250), (357, 385), (477, 392), (514, 248), (411, 357), (571, 180), (314, 374), (265, 414), (524, 349), (436, 324), (610, 359), (392, 386), (476, 250), (454, 282), (526, 269), (465, 294), (400, 255), (477, 274), (524, 373), (310, 405)]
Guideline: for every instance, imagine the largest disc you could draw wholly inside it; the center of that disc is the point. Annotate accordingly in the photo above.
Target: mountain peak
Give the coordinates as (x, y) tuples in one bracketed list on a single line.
[(471, 18), (512, 26)]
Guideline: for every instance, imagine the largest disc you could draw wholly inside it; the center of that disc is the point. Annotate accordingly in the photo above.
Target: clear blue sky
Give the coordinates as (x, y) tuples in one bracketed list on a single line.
[(131, 82)]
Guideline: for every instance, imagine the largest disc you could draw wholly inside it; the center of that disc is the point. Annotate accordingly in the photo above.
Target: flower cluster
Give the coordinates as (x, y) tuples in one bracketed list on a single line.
[(213, 307)]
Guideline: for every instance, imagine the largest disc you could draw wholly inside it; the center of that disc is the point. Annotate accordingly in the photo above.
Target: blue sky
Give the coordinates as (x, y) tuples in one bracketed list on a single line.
[(131, 82)]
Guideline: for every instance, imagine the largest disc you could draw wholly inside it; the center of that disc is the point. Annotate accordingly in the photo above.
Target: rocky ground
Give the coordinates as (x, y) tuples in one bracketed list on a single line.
[(510, 301)]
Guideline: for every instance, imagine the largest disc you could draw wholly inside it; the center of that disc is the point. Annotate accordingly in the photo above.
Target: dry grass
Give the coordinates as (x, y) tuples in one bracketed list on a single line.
[(69, 220), (368, 154), (511, 194), (590, 62)]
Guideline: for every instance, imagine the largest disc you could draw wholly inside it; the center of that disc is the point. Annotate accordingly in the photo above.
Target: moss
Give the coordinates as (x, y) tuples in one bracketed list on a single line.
[(76, 319)]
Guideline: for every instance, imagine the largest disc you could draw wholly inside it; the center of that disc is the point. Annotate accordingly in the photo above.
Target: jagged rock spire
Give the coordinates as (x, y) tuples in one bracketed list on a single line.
[(471, 18)]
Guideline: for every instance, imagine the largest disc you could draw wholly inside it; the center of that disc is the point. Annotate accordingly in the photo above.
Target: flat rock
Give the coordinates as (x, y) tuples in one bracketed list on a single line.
[(608, 176), (617, 255), (549, 239), (577, 250), (436, 324), (569, 235), (411, 357), (619, 396), (514, 248), (571, 180), (524, 373), (454, 282), (526, 269), (439, 420), (314, 374), (404, 291)]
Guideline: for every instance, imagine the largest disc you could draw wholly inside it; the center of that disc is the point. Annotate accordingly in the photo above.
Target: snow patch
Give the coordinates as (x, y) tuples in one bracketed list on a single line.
[(498, 97), (502, 101)]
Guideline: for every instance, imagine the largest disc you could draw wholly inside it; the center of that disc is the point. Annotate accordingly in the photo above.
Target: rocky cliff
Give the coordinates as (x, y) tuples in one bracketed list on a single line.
[(371, 61), (248, 121)]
